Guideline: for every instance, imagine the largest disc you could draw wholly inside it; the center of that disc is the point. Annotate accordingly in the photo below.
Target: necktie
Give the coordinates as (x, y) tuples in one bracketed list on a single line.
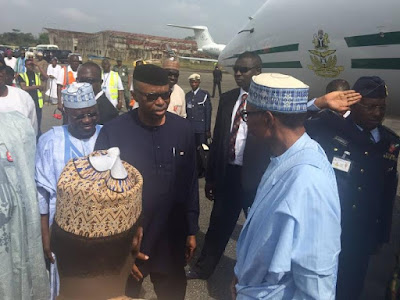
[(235, 129)]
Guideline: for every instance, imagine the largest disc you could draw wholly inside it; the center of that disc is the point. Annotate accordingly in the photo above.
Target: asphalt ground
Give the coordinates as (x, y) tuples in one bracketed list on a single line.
[(217, 286)]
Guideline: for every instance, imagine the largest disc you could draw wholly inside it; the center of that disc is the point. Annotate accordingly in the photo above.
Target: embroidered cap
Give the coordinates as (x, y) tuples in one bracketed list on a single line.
[(98, 195), (171, 63), (279, 93), (78, 95), (194, 77)]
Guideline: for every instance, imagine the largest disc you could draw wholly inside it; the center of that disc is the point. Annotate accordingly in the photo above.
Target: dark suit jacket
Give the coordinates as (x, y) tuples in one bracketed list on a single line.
[(218, 157), (255, 157), (107, 111)]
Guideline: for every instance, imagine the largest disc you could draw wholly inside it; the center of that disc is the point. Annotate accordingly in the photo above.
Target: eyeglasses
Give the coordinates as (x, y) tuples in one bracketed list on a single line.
[(242, 69), (88, 80), (173, 73), (245, 114), (372, 108), (82, 116), (151, 97)]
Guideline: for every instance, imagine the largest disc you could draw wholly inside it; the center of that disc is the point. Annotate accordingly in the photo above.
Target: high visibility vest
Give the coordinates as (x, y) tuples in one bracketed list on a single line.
[(37, 82), (113, 85), (68, 77)]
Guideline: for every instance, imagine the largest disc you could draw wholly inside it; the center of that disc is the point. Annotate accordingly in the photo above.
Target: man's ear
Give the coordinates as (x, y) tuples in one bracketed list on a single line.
[(268, 119)]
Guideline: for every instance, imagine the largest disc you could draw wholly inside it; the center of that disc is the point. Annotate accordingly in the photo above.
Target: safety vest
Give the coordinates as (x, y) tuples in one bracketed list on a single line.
[(113, 85), (37, 82), (68, 77)]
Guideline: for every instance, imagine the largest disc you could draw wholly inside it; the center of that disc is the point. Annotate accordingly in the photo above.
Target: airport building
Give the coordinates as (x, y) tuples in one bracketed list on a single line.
[(123, 45)]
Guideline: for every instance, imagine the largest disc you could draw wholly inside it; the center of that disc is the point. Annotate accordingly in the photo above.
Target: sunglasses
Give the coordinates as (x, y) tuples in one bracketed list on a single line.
[(88, 80), (151, 97), (242, 69), (82, 116), (245, 114)]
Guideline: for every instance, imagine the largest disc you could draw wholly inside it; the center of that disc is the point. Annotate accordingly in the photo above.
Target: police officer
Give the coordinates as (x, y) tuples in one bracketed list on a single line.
[(123, 72), (364, 155), (198, 109)]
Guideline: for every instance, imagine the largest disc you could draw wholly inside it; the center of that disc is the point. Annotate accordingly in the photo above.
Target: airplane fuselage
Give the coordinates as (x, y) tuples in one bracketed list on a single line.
[(318, 41), (213, 50)]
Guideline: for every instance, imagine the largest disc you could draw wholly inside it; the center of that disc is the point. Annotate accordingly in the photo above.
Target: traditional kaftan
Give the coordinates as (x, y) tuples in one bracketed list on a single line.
[(290, 243), (22, 267), (55, 148)]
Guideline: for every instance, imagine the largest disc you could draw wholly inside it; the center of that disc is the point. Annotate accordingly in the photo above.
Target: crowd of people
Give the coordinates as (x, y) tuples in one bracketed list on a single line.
[(109, 198)]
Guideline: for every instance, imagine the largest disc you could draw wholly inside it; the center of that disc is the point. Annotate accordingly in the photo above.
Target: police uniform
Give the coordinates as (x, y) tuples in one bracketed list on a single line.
[(198, 110), (366, 173), (123, 73)]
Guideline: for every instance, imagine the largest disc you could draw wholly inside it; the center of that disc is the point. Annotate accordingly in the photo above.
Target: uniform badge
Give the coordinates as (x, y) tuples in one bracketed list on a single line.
[(341, 164), (341, 141), (393, 147)]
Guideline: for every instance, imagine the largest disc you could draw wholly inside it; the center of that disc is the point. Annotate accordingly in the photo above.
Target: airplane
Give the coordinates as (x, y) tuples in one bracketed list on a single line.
[(205, 42), (318, 41)]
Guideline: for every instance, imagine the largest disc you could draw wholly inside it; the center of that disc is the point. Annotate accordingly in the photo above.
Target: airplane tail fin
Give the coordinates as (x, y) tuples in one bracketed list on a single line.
[(201, 34)]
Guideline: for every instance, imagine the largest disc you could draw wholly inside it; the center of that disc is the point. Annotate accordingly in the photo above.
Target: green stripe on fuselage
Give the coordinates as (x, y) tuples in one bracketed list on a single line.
[(283, 64), (279, 49), (386, 38), (280, 64), (376, 63)]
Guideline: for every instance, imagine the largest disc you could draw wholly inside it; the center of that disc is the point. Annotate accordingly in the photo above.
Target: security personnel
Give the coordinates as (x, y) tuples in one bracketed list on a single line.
[(31, 83), (364, 155), (123, 73), (198, 110)]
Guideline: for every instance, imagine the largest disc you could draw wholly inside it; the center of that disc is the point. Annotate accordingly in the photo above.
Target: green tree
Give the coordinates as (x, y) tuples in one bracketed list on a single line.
[(18, 38), (43, 38)]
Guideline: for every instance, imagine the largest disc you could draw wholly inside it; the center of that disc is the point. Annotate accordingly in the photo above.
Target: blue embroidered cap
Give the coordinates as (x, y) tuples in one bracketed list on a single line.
[(279, 93), (78, 95)]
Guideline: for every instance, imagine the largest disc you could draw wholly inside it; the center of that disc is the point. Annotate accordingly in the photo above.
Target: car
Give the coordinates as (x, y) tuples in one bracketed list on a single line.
[(62, 55)]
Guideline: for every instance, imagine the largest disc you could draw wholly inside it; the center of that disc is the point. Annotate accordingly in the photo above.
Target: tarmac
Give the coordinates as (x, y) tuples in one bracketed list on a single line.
[(218, 285)]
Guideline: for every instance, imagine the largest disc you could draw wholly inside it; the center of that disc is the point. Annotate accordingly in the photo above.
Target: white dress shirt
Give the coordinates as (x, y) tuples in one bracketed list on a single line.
[(242, 131)]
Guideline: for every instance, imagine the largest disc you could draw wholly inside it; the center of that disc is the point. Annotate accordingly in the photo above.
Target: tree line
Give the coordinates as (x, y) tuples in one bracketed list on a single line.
[(18, 38)]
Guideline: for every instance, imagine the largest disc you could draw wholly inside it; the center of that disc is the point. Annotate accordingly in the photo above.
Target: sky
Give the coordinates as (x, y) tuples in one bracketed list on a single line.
[(224, 18)]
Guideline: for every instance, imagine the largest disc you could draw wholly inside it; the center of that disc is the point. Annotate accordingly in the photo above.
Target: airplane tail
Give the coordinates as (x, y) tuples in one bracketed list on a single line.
[(201, 34)]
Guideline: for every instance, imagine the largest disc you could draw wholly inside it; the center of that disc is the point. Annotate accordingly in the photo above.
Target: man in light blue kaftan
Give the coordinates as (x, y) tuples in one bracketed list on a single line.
[(290, 243), (55, 148), (22, 267)]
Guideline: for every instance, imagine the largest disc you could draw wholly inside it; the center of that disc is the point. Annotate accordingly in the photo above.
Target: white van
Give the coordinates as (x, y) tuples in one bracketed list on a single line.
[(46, 47)]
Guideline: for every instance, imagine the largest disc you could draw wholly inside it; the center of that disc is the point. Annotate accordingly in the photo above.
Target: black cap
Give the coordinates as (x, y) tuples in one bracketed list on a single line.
[(151, 74), (371, 87)]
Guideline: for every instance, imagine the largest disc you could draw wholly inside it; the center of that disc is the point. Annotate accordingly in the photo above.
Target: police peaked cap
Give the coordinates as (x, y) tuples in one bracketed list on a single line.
[(371, 87)]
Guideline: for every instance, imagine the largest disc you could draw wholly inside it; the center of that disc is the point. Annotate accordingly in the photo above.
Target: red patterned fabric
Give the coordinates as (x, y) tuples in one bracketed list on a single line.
[(235, 129)]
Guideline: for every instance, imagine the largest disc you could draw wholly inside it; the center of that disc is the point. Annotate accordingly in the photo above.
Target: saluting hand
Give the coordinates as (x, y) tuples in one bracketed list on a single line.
[(339, 101)]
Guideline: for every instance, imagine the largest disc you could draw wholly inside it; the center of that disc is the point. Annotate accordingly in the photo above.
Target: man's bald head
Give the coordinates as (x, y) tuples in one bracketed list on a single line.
[(105, 64), (73, 61), (337, 85), (90, 72)]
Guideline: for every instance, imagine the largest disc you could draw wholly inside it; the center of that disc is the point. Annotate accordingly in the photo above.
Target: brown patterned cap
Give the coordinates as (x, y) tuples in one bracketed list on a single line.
[(94, 199), (171, 63)]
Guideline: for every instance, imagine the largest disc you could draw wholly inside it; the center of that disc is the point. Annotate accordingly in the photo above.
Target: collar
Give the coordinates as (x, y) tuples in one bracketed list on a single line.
[(242, 92), (99, 94), (69, 69), (195, 92)]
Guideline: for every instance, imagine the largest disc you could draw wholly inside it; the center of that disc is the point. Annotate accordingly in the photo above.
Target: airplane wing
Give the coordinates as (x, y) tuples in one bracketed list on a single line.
[(198, 58)]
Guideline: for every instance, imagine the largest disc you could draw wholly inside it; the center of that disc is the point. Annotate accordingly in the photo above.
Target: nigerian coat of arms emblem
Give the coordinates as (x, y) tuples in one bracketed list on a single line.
[(323, 58)]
